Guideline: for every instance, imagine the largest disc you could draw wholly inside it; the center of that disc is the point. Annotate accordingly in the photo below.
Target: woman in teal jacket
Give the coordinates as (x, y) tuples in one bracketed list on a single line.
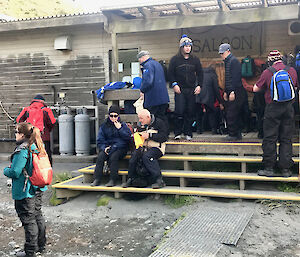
[(28, 198)]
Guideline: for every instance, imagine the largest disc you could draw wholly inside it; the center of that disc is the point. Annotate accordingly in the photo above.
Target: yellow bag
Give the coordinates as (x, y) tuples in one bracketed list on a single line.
[(138, 140)]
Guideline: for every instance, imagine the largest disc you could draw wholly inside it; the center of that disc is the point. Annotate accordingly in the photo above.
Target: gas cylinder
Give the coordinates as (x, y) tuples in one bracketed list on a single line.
[(82, 132), (66, 132)]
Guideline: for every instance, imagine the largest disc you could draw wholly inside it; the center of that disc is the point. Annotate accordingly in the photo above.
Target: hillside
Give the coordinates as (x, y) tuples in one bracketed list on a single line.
[(37, 8)]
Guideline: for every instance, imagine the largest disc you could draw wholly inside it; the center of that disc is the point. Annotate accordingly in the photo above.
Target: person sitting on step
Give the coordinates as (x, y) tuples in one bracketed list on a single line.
[(154, 134), (113, 142)]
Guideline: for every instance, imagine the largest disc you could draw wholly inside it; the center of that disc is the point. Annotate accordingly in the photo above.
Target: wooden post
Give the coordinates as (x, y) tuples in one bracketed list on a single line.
[(114, 58), (244, 170)]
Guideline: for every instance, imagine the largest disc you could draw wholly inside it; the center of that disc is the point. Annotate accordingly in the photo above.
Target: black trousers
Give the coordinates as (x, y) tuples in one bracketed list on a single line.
[(29, 211), (150, 161), (160, 111), (113, 163), (234, 110), (212, 115), (278, 126), (184, 111), (48, 150)]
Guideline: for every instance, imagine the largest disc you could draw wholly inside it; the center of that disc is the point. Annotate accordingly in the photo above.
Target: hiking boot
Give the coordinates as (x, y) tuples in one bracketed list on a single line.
[(159, 184), (189, 138), (178, 137), (95, 183), (268, 172), (127, 184), (24, 254), (286, 173), (214, 132), (110, 183), (199, 131), (41, 249), (233, 138)]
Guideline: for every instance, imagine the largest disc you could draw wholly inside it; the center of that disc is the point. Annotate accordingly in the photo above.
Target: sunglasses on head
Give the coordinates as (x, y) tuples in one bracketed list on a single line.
[(113, 115)]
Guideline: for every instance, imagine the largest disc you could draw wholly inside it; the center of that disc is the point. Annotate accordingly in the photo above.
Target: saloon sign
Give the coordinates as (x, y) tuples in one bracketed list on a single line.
[(244, 39)]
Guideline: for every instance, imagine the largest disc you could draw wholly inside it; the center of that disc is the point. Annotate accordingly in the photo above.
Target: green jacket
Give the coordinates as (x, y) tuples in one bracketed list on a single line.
[(15, 171)]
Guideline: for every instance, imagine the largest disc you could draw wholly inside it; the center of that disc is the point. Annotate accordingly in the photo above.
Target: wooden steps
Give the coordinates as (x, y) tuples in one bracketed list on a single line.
[(76, 185), (187, 152)]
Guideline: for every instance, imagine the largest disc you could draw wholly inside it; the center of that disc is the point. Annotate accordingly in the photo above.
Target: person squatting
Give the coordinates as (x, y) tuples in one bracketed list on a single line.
[(114, 139)]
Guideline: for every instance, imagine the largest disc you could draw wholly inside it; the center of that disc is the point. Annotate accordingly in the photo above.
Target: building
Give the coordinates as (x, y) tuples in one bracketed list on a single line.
[(76, 54)]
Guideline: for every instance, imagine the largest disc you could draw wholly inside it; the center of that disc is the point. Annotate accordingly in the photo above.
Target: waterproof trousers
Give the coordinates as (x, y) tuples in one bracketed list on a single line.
[(29, 211), (184, 111), (278, 127), (150, 161), (234, 111), (113, 163)]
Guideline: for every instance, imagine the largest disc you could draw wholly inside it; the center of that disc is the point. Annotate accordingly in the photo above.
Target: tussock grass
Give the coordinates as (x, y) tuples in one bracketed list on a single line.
[(179, 201)]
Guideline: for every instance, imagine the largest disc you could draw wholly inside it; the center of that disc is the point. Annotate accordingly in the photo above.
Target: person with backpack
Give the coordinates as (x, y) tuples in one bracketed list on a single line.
[(40, 116), (27, 197), (113, 141), (279, 82)]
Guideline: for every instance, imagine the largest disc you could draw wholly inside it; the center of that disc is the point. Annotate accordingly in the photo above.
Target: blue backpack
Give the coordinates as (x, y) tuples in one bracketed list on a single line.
[(297, 62), (282, 87)]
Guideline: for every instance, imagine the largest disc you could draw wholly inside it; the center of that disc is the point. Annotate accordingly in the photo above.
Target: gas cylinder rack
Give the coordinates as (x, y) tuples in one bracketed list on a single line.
[(94, 117)]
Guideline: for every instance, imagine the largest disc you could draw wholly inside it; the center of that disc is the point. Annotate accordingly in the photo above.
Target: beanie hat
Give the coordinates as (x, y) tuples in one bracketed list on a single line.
[(39, 97), (185, 41), (274, 56), (114, 109)]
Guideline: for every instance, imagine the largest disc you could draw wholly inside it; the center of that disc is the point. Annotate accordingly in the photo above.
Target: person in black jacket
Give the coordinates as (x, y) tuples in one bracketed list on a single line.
[(185, 76), (234, 94), (113, 142), (154, 133), (208, 96)]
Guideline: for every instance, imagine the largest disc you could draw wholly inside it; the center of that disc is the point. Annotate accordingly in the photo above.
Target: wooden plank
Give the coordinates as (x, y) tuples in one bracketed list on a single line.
[(121, 94), (209, 175), (77, 184)]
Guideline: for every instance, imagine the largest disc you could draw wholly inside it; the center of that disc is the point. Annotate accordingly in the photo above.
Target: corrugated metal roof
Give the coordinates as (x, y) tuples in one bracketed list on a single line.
[(46, 17), (157, 8)]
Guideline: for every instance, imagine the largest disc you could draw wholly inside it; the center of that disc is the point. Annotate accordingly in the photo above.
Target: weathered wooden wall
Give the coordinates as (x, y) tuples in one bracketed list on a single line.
[(30, 65)]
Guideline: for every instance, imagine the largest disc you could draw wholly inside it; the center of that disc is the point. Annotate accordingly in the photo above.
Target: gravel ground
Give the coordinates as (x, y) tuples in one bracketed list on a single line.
[(133, 226)]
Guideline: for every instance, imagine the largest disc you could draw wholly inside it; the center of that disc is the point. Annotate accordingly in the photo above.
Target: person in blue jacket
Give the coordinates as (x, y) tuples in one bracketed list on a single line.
[(113, 141), (28, 198), (153, 87)]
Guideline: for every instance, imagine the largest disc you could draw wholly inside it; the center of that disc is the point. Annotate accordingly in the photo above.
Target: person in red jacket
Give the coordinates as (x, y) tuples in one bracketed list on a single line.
[(39, 115)]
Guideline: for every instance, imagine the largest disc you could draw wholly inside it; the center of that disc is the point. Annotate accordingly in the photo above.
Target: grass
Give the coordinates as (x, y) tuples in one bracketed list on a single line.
[(289, 206), (285, 187), (174, 224), (104, 200), (177, 202), (60, 177)]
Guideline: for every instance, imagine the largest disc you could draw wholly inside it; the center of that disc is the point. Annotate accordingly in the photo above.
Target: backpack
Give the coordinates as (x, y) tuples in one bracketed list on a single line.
[(36, 117), (282, 88), (297, 62), (248, 67), (42, 172)]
